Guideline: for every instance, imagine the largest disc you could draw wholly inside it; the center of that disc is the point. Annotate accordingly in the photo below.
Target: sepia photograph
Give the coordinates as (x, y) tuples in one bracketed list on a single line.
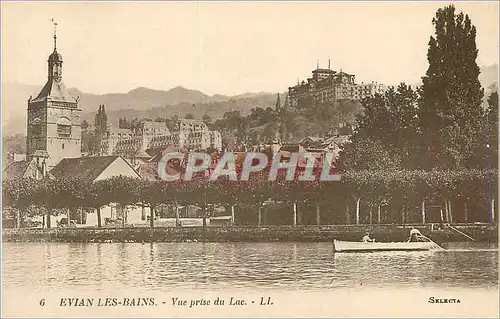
[(210, 159)]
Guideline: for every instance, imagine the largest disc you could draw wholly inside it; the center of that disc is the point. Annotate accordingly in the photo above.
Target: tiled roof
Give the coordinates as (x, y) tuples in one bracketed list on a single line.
[(86, 168), (41, 153), (56, 91), (324, 70), (149, 170), (120, 130), (15, 170), (22, 169), (194, 121), (292, 148)]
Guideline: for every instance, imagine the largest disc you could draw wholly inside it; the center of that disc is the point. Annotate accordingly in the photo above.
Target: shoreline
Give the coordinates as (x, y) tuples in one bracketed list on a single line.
[(305, 233)]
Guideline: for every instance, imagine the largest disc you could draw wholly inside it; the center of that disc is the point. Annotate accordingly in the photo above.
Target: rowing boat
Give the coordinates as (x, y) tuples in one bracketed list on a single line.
[(351, 246)]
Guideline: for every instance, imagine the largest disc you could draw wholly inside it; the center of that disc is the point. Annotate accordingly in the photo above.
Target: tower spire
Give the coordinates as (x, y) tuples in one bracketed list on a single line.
[(328, 63), (317, 64), (55, 33)]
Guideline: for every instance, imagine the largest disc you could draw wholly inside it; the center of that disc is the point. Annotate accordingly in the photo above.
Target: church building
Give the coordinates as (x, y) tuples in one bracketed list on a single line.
[(54, 118)]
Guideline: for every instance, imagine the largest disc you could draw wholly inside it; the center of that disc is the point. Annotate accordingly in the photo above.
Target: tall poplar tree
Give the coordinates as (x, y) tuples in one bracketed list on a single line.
[(451, 111)]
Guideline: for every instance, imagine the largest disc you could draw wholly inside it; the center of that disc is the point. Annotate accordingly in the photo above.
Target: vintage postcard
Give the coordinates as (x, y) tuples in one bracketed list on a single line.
[(249, 159)]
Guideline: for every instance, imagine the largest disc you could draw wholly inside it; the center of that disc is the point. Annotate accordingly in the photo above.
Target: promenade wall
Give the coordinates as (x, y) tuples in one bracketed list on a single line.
[(325, 233)]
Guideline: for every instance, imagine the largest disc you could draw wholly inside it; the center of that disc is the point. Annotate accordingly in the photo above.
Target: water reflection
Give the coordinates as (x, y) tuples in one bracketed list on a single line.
[(241, 265)]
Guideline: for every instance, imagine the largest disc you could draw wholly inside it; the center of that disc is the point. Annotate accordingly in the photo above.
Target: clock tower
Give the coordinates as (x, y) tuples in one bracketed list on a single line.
[(54, 119)]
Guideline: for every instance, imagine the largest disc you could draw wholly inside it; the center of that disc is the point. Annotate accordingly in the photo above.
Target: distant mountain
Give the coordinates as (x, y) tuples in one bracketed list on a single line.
[(14, 105), (489, 76), (145, 102), (215, 110), (140, 102), (250, 95), (489, 80), (142, 97)]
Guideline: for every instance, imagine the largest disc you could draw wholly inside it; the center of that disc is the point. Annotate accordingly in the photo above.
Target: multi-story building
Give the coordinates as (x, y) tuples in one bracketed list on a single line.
[(131, 143), (326, 86), (148, 137), (195, 135)]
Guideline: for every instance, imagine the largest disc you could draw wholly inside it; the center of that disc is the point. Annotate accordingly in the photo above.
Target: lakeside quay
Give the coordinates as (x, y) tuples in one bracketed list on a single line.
[(382, 233)]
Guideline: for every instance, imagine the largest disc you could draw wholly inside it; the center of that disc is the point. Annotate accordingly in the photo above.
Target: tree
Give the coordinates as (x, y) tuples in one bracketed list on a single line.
[(364, 153), (189, 116), (207, 119), (375, 121), (97, 197), (149, 193), (402, 104), (450, 112), (85, 125), (101, 121), (492, 120), (124, 191), (277, 107), (18, 194)]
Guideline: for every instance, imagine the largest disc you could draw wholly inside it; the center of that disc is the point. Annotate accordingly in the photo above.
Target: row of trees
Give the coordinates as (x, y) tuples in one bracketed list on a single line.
[(404, 190)]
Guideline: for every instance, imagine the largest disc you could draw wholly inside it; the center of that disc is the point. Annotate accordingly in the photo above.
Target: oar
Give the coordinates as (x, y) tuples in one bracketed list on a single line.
[(440, 248)]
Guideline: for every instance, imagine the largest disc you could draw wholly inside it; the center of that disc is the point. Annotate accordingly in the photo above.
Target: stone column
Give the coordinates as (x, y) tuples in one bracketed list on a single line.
[(318, 216), (232, 215), (299, 216), (18, 218), (260, 216), (466, 217), (294, 214), (177, 220), (357, 210), (493, 210), (423, 211)]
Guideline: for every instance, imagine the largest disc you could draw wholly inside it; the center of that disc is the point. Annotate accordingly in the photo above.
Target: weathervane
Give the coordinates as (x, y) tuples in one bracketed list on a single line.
[(55, 33)]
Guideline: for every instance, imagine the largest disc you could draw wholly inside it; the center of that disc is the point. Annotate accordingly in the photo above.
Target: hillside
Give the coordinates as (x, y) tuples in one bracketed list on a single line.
[(145, 102), (214, 109), (140, 102)]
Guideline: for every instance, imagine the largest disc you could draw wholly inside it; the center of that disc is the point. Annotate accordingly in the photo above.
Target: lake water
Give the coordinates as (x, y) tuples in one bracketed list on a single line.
[(214, 266)]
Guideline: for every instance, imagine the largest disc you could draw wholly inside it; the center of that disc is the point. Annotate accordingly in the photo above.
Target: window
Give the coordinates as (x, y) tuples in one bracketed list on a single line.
[(36, 127), (63, 130), (63, 127)]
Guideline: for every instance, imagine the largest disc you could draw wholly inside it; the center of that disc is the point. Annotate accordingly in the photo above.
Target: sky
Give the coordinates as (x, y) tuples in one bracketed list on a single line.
[(226, 48)]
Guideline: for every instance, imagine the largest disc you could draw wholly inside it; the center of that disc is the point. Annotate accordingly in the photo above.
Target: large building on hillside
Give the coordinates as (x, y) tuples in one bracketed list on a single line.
[(195, 135), (127, 142), (54, 118), (150, 137), (327, 85)]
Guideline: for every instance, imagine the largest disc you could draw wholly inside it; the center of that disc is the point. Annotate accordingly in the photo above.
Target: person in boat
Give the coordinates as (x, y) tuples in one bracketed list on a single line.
[(415, 235), (367, 239)]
